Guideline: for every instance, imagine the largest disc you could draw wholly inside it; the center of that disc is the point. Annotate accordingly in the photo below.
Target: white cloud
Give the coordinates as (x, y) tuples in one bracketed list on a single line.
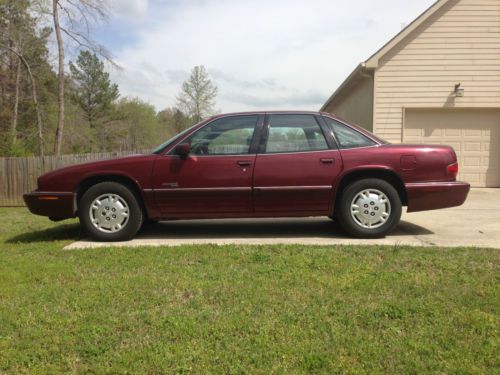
[(261, 53), (132, 9)]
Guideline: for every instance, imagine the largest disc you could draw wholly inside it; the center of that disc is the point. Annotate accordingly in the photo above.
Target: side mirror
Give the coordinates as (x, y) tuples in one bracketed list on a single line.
[(183, 150)]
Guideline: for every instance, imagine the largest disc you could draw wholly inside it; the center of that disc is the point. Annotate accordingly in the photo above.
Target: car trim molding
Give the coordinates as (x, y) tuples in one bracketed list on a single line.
[(297, 152), (288, 188), (208, 190), (257, 188)]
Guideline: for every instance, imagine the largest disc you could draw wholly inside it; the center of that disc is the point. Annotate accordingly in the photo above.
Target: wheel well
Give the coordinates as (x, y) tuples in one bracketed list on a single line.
[(388, 176), (91, 181)]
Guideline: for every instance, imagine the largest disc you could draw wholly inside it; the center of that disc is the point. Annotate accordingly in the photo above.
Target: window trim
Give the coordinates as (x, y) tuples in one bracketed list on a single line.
[(265, 135), (329, 135), (253, 142)]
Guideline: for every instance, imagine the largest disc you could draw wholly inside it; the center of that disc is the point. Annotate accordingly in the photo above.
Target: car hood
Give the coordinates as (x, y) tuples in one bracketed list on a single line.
[(66, 177)]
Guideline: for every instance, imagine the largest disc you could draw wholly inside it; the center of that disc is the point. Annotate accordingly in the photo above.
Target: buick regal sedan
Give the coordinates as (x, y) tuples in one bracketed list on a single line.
[(266, 164)]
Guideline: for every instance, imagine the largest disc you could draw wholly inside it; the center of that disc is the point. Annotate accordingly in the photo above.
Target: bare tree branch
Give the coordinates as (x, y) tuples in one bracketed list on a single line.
[(87, 43)]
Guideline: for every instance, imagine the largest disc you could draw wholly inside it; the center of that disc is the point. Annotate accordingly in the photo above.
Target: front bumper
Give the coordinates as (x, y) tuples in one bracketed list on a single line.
[(435, 195), (56, 205)]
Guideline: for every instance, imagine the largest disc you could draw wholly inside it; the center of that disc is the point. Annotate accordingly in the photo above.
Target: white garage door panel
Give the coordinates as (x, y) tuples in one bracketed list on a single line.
[(473, 133)]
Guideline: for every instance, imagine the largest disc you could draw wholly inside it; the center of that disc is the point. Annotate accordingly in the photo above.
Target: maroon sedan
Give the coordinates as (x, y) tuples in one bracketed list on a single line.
[(269, 164)]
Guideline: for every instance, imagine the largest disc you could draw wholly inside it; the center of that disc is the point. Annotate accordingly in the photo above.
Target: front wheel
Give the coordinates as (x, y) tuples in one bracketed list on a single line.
[(369, 208), (109, 211)]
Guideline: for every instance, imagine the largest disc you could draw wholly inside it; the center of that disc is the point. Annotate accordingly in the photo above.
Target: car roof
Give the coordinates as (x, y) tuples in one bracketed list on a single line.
[(275, 112), (283, 112)]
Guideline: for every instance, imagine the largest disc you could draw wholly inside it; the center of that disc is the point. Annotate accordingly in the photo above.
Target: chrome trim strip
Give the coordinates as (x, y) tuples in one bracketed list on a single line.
[(263, 154), (208, 190), (289, 188), (359, 148), (298, 152), (445, 184), (213, 156), (235, 189)]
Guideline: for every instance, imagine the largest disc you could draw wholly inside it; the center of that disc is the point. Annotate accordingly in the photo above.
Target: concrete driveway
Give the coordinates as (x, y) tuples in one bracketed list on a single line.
[(476, 223)]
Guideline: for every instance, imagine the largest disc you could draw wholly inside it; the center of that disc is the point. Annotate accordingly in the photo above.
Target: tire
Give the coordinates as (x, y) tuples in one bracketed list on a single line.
[(369, 208), (110, 211)]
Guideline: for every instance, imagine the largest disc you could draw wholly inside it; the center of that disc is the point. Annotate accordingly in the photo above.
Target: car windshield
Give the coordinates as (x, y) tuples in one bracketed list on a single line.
[(168, 142)]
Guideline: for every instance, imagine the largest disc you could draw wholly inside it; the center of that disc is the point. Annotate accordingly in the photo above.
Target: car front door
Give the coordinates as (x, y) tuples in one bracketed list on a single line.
[(296, 168), (215, 178)]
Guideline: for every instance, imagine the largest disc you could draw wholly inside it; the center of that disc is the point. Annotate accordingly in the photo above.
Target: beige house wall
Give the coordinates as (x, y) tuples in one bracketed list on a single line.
[(460, 43), (357, 106)]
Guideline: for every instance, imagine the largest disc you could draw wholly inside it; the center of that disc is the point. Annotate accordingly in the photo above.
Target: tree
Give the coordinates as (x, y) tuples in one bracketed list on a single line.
[(198, 94), (135, 126), (180, 121), (94, 91), (79, 15), (25, 43), (173, 121), (60, 76), (33, 93), (30, 88)]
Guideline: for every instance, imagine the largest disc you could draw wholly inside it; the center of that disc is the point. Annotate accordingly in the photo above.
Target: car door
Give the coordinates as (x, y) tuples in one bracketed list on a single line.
[(215, 179), (296, 167)]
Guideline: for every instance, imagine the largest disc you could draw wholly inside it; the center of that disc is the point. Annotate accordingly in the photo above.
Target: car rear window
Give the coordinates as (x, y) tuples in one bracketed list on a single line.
[(347, 137)]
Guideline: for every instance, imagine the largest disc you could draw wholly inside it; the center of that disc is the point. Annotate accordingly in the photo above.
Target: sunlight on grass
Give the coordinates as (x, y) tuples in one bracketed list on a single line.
[(241, 309)]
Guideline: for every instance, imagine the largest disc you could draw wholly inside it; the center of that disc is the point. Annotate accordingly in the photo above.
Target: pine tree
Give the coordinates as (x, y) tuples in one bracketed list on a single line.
[(94, 91)]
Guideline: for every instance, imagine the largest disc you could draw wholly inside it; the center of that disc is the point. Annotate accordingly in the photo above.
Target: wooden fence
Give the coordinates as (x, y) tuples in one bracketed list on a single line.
[(18, 175)]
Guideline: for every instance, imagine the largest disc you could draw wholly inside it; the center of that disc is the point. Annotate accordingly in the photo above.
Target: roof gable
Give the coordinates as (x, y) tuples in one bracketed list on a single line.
[(372, 62)]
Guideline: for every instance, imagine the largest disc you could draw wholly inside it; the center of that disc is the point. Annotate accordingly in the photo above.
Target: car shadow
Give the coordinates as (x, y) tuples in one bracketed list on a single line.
[(260, 228), (216, 229), (58, 233)]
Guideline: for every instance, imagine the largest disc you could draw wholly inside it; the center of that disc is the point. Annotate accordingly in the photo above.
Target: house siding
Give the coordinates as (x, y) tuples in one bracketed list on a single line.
[(460, 43), (357, 106)]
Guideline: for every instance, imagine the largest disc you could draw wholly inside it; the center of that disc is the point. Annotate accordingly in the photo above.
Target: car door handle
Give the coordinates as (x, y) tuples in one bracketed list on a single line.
[(327, 161), (243, 163)]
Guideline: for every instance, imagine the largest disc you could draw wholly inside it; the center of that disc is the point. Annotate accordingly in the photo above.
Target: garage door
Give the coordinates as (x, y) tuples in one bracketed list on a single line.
[(473, 133)]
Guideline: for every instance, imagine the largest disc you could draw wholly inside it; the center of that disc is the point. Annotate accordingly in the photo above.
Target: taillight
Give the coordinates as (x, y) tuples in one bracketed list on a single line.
[(452, 170)]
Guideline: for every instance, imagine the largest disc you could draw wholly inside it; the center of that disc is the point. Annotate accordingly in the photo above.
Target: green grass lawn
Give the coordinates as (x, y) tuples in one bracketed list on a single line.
[(242, 309)]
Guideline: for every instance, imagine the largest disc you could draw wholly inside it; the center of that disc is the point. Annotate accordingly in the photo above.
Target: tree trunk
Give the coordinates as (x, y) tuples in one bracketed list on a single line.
[(60, 47), (34, 97), (13, 128)]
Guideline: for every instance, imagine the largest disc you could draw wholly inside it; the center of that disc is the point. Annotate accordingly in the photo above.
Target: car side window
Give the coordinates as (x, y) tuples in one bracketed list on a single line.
[(294, 133), (347, 137), (225, 136)]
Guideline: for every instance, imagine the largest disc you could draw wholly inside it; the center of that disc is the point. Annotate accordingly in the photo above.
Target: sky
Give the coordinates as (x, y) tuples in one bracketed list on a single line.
[(262, 54)]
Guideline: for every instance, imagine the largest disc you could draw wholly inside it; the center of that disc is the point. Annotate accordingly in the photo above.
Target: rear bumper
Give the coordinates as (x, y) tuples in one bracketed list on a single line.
[(435, 195), (56, 205)]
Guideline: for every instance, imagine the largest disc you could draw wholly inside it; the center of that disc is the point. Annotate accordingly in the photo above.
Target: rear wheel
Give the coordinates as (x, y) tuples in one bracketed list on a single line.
[(369, 208), (109, 211)]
